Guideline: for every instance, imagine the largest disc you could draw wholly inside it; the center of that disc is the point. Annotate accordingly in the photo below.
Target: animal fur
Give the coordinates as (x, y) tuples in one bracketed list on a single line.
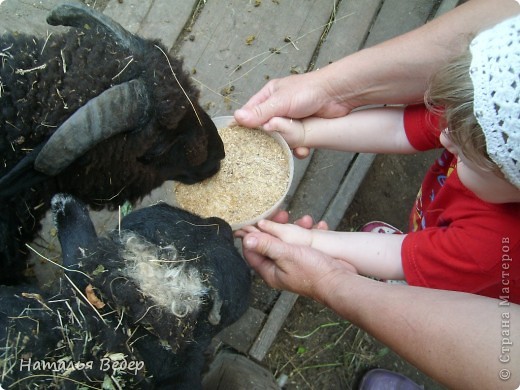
[(167, 326), (44, 81)]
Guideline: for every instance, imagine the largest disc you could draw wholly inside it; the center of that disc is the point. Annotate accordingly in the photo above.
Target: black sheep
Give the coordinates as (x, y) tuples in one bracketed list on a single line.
[(95, 112), (158, 291)]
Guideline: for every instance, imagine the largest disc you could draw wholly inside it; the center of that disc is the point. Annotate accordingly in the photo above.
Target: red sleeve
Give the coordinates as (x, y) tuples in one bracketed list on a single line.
[(422, 127), (464, 258), (437, 258)]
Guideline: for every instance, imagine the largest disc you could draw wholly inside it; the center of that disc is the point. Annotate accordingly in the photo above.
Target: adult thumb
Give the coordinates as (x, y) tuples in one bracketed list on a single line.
[(256, 115), (266, 245)]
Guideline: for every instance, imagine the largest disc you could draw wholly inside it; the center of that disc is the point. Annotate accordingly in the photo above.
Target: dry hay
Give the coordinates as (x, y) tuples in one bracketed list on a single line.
[(253, 177)]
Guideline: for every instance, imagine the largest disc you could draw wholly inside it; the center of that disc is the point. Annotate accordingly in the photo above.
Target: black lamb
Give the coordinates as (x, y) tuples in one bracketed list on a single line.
[(136, 309), (96, 112)]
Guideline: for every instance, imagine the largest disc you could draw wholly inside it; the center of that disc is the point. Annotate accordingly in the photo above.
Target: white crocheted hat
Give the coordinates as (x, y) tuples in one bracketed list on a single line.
[(495, 73)]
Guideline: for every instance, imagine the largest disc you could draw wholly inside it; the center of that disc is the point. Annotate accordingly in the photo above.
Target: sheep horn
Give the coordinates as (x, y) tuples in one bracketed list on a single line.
[(117, 110), (79, 15)]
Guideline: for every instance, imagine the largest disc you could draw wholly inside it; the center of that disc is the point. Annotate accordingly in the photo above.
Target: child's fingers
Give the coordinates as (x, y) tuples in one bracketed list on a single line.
[(301, 152), (240, 233), (291, 130), (289, 233), (250, 229), (322, 225), (280, 216), (273, 228), (305, 222)]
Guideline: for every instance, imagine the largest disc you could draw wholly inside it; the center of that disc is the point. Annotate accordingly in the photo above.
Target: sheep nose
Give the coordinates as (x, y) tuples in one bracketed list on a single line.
[(207, 170)]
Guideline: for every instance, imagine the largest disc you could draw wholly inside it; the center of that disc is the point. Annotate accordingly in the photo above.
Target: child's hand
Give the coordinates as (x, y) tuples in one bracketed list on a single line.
[(288, 233), (293, 131), (282, 217)]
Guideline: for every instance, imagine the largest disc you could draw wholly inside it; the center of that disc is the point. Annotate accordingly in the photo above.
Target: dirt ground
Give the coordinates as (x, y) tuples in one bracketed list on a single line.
[(317, 349)]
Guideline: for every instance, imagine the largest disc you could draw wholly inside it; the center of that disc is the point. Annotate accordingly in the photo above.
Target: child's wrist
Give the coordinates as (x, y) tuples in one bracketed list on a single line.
[(314, 239), (305, 137)]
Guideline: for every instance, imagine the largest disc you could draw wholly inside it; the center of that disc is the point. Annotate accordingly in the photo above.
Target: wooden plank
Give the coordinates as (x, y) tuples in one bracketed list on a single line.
[(347, 189), (273, 325), (154, 19), (446, 6), (230, 371), (129, 13), (397, 17), (243, 333), (300, 167), (27, 17), (166, 20), (235, 34), (349, 31), (320, 183)]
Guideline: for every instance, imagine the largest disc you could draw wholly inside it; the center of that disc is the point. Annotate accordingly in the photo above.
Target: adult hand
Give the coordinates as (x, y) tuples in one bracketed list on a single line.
[(295, 96), (296, 268)]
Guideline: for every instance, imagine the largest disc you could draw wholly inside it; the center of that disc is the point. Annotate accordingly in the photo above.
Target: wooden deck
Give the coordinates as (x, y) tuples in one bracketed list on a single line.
[(232, 47)]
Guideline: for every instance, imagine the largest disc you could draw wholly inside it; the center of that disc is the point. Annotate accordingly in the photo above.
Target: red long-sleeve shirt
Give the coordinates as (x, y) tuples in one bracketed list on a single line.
[(456, 240)]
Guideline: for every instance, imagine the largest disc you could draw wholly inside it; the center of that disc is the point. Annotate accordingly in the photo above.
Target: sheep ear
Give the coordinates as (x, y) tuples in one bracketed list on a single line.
[(116, 110), (81, 16), (76, 231)]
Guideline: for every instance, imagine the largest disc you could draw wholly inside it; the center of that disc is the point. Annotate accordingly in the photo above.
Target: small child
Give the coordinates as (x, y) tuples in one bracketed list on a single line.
[(465, 226)]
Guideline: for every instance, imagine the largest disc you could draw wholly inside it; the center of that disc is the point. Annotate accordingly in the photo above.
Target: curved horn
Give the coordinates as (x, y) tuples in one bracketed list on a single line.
[(79, 15), (118, 109)]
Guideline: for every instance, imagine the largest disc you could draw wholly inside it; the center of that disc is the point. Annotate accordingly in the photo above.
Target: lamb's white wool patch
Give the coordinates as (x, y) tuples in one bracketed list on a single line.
[(58, 203), (161, 275)]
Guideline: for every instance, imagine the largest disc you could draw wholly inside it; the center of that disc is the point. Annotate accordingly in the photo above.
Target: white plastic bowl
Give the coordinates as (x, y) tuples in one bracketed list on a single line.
[(225, 121)]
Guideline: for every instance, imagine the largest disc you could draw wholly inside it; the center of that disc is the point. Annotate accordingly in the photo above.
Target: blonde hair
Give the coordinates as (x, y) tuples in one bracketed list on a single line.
[(450, 96)]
